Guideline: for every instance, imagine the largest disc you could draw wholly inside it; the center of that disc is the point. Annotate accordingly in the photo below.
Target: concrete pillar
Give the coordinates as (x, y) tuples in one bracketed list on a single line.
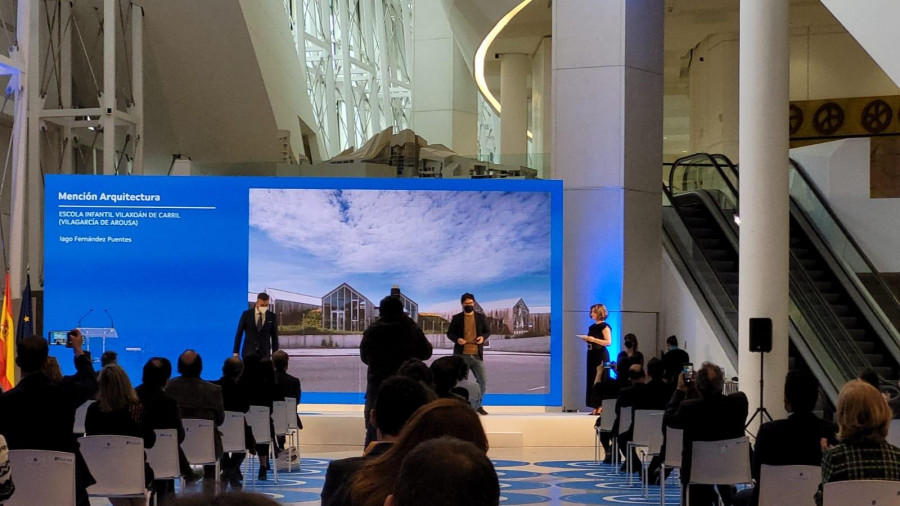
[(607, 149), (714, 96), (514, 71), (764, 196), (445, 109), (541, 109)]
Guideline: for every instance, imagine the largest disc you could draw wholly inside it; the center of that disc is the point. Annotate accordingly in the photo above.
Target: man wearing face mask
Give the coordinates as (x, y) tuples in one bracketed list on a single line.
[(259, 328), (468, 331)]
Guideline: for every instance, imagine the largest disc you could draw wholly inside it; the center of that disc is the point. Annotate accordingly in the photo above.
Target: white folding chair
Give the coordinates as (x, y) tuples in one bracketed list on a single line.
[(861, 493), (163, 456), (258, 418), (607, 421), (647, 434), (293, 430), (232, 430), (279, 418), (625, 416), (795, 485), (42, 477), (80, 415), (199, 443), (674, 445), (117, 465), (893, 436), (720, 462)]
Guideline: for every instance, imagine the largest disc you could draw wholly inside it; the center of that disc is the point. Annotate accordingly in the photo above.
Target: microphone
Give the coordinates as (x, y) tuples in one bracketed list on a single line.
[(112, 324), (83, 317)]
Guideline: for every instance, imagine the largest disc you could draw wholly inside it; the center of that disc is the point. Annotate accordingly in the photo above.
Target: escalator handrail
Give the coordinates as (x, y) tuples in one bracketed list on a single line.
[(711, 161), (821, 200)]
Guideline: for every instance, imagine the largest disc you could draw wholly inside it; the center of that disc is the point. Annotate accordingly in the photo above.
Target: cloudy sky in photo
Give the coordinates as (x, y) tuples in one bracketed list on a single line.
[(434, 244)]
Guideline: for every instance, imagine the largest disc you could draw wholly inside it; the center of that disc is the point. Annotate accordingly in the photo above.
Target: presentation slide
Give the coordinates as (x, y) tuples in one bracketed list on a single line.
[(150, 266)]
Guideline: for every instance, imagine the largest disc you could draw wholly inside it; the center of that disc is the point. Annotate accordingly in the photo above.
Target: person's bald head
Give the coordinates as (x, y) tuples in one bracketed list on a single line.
[(190, 364), (232, 368)]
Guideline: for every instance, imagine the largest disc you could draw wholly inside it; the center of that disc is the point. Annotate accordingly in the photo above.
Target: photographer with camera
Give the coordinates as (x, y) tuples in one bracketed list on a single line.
[(710, 417)]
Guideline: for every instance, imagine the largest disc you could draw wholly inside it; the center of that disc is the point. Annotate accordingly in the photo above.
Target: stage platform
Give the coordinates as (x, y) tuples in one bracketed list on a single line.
[(506, 426)]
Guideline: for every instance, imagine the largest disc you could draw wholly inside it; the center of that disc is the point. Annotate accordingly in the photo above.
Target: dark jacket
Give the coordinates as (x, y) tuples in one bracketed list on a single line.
[(456, 331), (336, 491), (708, 419), (83, 383), (796, 440), (160, 410), (261, 342), (234, 395), (673, 363), (199, 399), (290, 387), (386, 344)]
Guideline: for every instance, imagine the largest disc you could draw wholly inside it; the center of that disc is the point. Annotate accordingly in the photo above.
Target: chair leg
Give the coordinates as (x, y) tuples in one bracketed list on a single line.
[(628, 448), (272, 459), (615, 455), (662, 484)]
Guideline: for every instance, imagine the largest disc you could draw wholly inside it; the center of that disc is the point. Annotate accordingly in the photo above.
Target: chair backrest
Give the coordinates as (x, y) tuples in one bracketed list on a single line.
[(232, 430), (893, 436), (674, 446), (199, 443), (279, 418), (625, 415), (608, 419), (795, 485), (724, 461), (291, 412), (163, 456), (42, 477), (258, 420), (116, 463), (861, 493), (648, 426), (80, 415)]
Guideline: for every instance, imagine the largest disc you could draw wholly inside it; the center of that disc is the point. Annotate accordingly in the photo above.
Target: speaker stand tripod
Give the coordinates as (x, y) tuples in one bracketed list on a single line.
[(761, 411)]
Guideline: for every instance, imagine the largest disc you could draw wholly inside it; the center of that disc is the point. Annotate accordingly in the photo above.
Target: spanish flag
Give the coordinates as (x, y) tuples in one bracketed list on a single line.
[(7, 342)]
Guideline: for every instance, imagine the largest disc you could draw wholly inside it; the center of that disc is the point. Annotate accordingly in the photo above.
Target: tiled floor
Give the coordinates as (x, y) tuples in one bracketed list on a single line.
[(527, 476)]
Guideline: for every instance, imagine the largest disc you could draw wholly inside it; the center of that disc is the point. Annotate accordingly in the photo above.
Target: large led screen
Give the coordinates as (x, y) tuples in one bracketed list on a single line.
[(171, 262)]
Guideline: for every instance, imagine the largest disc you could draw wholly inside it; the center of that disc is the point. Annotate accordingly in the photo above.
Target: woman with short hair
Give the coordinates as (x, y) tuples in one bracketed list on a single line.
[(863, 418)]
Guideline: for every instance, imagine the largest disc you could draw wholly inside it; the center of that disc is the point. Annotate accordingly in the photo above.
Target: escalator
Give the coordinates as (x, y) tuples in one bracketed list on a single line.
[(839, 306)]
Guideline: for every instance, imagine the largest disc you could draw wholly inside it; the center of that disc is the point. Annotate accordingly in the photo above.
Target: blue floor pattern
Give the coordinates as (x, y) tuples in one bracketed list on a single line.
[(543, 482)]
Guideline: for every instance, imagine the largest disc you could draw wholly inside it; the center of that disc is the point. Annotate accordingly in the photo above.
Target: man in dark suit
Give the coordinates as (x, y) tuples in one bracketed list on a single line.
[(160, 411), (38, 415), (398, 399), (798, 439), (288, 385), (712, 417), (259, 328), (469, 330), (673, 360), (198, 399), (388, 342)]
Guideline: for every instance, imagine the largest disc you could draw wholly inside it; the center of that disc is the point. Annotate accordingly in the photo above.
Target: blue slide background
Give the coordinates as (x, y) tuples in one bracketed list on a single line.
[(182, 283)]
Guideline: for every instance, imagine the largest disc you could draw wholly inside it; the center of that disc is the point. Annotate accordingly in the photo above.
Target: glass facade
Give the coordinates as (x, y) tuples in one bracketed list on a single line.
[(346, 309)]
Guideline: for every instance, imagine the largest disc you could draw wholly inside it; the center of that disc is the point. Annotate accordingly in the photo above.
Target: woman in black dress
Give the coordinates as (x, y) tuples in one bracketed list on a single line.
[(599, 336)]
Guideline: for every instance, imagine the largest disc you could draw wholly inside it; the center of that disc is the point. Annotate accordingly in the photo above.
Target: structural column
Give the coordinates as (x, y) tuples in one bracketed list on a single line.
[(764, 202), (607, 148), (514, 71), (541, 109)]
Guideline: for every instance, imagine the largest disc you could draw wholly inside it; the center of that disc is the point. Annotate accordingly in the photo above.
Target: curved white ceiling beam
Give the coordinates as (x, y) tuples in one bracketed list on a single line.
[(482, 50)]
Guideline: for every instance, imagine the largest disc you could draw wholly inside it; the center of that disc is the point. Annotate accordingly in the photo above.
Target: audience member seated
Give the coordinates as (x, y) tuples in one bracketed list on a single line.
[(119, 412), (711, 417), (198, 399), (658, 392), (796, 440), (398, 399), (473, 391), (417, 370), (446, 375), (375, 480), (258, 380), (160, 410), (673, 360), (630, 397), (235, 398), (38, 415), (628, 357), (463, 474), (863, 454), (108, 358), (7, 487), (287, 386)]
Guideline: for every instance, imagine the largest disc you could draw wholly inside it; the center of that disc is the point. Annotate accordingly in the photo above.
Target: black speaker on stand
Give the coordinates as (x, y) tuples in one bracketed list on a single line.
[(760, 342)]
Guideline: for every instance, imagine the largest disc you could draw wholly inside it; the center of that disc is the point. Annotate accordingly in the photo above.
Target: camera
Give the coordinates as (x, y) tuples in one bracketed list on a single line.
[(59, 338)]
